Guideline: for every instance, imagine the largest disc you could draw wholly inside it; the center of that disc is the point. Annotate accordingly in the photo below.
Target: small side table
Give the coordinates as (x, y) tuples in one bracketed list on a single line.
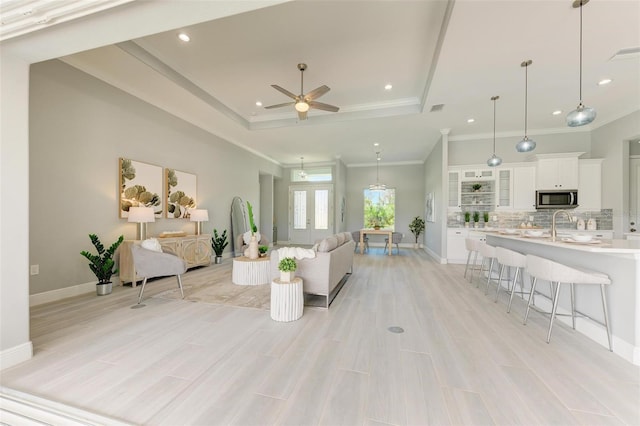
[(287, 300), (250, 271)]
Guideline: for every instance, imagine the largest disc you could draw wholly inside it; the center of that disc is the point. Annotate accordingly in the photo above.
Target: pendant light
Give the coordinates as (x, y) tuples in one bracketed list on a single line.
[(494, 160), (526, 144), (377, 186), (582, 114), (302, 174)]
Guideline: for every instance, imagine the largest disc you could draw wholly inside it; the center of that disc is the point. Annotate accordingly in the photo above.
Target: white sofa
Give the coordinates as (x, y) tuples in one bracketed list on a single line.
[(323, 275)]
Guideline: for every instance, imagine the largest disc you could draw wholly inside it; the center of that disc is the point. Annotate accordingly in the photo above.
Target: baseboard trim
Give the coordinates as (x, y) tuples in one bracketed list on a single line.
[(22, 408), (62, 293), (435, 256), (16, 355)]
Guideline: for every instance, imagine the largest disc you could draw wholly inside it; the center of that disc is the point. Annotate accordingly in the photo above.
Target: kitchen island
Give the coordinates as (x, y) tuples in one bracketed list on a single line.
[(620, 259)]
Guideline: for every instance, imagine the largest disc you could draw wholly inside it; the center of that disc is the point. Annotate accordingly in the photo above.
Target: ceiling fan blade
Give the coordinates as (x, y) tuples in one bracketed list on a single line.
[(324, 107), (316, 93), (279, 105), (285, 91), (302, 115)]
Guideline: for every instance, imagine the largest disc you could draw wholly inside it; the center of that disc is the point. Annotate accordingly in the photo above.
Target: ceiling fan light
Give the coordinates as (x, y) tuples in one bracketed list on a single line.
[(580, 116), (526, 145), (494, 161), (302, 106)]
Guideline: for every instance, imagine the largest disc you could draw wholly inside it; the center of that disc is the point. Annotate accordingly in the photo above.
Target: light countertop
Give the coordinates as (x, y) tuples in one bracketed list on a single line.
[(594, 246)]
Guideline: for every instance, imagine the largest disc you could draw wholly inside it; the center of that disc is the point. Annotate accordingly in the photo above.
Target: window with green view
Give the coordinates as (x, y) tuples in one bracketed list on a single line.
[(380, 208)]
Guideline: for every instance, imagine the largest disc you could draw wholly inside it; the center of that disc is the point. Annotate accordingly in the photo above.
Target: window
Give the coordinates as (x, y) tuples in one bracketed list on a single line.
[(317, 174), (380, 208), (300, 210)]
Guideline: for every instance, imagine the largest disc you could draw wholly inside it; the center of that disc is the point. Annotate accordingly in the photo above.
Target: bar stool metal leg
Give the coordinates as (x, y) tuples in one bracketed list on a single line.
[(573, 306), (533, 290), (513, 288), (553, 311), (606, 316)]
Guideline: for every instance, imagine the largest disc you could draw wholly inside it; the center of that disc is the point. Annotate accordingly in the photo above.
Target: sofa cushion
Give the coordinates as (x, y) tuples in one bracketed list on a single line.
[(340, 238), (152, 244), (328, 244), (347, 236)]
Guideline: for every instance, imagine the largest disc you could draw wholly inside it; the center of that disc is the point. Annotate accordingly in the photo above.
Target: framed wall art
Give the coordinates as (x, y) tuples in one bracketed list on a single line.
[(430, 209), (140, 186), (181, 193)]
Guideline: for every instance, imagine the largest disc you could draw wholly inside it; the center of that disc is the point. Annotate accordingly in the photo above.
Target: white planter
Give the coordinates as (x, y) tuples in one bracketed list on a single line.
[(287, 277)]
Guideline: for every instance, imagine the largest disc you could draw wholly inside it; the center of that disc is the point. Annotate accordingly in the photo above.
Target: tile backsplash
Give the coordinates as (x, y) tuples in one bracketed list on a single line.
[(542, 218)]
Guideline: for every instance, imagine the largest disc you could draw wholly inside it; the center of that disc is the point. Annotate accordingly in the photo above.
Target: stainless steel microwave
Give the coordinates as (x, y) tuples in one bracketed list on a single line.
[(557, 199)]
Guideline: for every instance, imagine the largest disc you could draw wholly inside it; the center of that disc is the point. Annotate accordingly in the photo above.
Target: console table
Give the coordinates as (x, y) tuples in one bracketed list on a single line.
[(196, 250), (250, 271), (287, 300)]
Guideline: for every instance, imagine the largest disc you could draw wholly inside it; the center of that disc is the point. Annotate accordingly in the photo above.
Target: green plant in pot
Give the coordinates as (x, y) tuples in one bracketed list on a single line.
[(287, 267), (102, 264), (476, 187), (476, 219), (218, 243), (485, 216), (467, 219), (263, 250), (416, 227)]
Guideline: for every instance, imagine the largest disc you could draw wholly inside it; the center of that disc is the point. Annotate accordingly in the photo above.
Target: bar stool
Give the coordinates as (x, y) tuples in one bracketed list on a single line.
[(473, 246), (509, 258), (488, 252), (546, 269)]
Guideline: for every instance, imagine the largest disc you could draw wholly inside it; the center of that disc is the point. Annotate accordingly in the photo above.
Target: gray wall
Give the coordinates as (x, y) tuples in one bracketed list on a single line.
[(410, 195), (611, 142), (266, 206), (478, 151), (634, 148), (79, 127), (434, 167), (340, 194)]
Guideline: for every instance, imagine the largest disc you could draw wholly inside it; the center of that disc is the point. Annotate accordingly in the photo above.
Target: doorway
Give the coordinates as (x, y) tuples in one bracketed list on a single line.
[(310, 213)]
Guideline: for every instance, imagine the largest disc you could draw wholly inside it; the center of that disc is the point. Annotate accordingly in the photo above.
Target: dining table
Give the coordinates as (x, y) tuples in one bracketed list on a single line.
[(373, 231)]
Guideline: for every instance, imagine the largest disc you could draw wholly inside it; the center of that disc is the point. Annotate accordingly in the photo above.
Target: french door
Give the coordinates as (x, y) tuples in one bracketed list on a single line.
[(310, 213)]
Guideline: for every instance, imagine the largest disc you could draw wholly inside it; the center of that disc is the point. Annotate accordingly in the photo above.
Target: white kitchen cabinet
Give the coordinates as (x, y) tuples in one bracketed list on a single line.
[(524, 188), (557, 171), (504, 189), (456, 248), (454, 190), (478, 174), (590, 184)]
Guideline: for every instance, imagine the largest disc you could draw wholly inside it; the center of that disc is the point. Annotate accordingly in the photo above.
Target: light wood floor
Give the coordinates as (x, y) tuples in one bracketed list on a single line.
[(461, 359)]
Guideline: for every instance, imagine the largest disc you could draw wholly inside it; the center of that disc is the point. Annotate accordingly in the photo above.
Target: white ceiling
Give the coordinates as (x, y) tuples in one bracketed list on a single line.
[(433, 52)]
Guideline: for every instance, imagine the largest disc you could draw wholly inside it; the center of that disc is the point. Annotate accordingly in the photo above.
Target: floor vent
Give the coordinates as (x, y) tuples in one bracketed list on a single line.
[(396, 330)]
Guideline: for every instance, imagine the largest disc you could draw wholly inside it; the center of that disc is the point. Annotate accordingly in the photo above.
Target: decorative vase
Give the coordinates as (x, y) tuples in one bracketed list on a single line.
[(286, 277), (376, 227), (104, 289), (254, 253), (476, 225)]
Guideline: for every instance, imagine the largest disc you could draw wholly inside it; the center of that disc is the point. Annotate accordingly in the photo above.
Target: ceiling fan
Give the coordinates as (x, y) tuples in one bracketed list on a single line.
[(302, 102)]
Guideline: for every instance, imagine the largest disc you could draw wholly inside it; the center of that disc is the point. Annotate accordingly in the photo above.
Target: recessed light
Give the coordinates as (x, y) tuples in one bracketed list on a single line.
[(471, 120), (258, 103), (388, 87), (556, 112), (184, 37), (376, 144), (604, 81)]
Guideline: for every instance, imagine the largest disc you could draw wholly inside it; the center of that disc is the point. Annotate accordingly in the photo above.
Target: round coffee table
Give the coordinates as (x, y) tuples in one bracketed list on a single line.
[(250, 271)]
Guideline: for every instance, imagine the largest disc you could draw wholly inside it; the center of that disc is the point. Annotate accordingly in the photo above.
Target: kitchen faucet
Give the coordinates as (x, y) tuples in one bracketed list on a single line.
[(553, 222)]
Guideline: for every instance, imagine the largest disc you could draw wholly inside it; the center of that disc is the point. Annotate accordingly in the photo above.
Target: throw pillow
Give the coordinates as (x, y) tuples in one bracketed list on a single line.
[(328, 244), (340, 238), (152, 244)]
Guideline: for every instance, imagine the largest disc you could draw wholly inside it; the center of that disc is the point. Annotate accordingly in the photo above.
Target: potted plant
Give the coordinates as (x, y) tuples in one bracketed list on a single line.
[(218, 243), (252, 250), (476, 219), (417, 227), (476, 187), (102, 264), (287, 267), (467, 218), (263, 250), (485, 216)]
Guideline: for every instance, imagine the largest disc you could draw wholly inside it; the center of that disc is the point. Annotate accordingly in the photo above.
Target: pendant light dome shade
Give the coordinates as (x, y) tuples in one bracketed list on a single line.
[(494, 160), (582, 114), (526, 144)]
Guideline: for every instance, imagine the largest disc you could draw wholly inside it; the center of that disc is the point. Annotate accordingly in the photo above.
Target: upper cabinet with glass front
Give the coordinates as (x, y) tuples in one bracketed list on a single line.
[(454, 190), (480, 174)]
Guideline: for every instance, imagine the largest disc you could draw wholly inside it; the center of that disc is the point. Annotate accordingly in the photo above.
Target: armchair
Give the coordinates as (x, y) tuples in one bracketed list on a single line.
[(150, 264)]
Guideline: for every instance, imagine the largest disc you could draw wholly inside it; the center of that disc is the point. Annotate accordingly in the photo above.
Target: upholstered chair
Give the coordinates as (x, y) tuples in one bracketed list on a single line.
[(151, 263), (396, 238)]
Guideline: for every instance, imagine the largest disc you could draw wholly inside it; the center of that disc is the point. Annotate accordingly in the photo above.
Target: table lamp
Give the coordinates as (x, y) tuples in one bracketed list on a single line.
[(199, 216), (141, 216)]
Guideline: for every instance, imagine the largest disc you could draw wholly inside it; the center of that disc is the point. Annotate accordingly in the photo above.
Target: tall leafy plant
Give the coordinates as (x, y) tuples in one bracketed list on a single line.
[(219, 242), (102, 264), (417, 226), (252, 224)]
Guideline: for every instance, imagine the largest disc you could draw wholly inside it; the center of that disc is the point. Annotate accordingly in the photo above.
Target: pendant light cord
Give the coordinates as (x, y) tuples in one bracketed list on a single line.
[(581, 4), (494, 125), (526, 92)]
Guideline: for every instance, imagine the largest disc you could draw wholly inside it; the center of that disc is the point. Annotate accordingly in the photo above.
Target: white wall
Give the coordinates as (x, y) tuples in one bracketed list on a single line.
[(434, 168), (410, 195), (79, 128), (340, 195), (15, 345), (266, 206)]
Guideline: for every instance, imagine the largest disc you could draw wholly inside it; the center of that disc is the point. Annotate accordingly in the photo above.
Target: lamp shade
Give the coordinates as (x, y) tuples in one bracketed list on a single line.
[(141, 215), (580, 116), (302, 106), (199, 215), (526, 145)]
